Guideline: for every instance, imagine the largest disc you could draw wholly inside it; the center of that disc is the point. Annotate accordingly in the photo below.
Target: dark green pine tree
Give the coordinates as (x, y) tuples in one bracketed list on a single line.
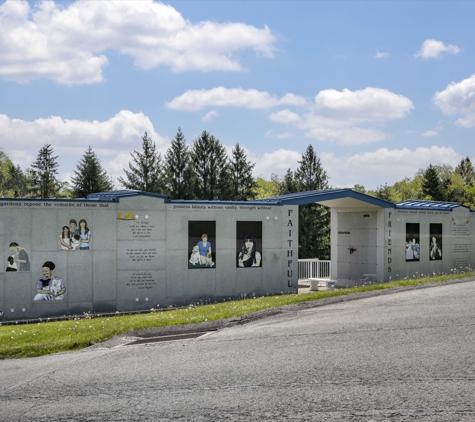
[(17, 182), (179, 175), (289, 183), (212, 171), (90, 177), (242, 181), (432, 185), (146, 173), (314, 219), (45, 169)]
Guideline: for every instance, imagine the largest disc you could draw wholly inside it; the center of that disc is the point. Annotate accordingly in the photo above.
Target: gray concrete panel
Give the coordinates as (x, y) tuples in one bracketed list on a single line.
[(249, 281), (104, 273), (17, 222), (202, 284), (177, 230), (104, 230), (146, 286), (178, 274), (226, 230), (226, 273), (78, 281), (142, 202)]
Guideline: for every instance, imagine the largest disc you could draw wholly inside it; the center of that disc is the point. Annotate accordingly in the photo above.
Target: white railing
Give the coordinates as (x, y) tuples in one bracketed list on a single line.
[(314, 268)]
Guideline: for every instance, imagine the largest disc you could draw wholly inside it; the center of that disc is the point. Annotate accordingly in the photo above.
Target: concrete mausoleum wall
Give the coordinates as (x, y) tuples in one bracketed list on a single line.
[(139, 253)]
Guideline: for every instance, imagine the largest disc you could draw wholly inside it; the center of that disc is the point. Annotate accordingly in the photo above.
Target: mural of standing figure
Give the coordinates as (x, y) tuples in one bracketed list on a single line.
[(249, 256), (20, 257), (49, 287), (85, 235), (65, 238)]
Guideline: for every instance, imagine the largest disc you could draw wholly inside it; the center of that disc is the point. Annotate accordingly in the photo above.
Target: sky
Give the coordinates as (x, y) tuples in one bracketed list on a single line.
[(379, 88)]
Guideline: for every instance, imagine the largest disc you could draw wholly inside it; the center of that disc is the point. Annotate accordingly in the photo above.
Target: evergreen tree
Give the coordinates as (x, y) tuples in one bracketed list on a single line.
[(17, 183), (45, 169), (179, 174), (314, 219), (384, 192), (146, 169), (432, 185), (90, 176), (289, 183), (242, 181), (212, 171)]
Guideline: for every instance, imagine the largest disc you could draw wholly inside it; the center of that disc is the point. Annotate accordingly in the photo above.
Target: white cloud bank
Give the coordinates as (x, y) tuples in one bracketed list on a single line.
[(384, 165), (194, 100), (458, 98), (67, 43), (431, 49), (345, 117), (113, 139)]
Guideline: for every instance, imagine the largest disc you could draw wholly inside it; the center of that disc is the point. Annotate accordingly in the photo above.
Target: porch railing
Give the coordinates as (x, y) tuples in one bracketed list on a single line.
[(314, 268)]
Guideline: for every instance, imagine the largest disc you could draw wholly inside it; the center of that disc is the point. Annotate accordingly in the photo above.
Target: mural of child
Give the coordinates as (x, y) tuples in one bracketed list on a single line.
[(85, 234), (11, 264), (204, 247), (65, 238), (73, 227), (20, 257), (249, 257), (75, 242), (435, 249), (49, 287)]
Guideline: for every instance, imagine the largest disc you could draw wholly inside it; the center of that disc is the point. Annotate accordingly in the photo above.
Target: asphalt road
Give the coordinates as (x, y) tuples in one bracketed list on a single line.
[(407, 356)]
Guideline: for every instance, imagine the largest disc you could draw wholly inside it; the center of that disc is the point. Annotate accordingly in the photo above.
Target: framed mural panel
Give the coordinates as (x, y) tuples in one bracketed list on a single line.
[(248, 244), (413, 249), (18, 258), (49, 287), (75, 236), (201, 244), (435, 247)]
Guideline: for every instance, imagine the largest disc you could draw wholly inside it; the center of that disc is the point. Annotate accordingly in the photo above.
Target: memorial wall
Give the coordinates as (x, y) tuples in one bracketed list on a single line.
[(141, 251)]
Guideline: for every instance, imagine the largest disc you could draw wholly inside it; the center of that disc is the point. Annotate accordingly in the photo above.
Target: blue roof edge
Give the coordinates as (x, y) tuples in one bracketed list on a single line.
[(308, 197)]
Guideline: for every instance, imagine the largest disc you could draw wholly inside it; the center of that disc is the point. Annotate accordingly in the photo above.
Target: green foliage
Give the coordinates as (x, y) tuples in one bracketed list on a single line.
[(145, 169), (43, 174), (289, 183), (179, 175), (242, 181), (5, 174), (90, 176), (17, 183), (314, 219), (267, 188), (359, 188), (212, 171), (432, 184)]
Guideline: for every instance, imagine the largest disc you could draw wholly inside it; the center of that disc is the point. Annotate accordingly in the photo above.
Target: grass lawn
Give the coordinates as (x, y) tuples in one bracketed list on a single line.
[(36, 339)]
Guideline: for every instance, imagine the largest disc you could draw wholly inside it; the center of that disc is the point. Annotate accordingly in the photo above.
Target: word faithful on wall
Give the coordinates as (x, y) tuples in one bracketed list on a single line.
[(390, 241), (290, 226)]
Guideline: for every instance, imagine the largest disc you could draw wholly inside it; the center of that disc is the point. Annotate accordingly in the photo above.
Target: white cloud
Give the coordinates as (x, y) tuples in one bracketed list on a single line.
[(194, 100), (380, 55), (67, 43), (274, 162), (210, 115), (337, 116), (112, 138), (282, 135), (430, 133), (433, 48), (458, 98), (384, 165), (284, 116)]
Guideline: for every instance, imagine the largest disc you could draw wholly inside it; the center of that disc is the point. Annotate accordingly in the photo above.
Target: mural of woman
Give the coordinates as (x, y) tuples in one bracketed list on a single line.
[(249, 257), (49, 287), (20, 257), (205, 249), (85, 235), (65, 238), (435, 250)]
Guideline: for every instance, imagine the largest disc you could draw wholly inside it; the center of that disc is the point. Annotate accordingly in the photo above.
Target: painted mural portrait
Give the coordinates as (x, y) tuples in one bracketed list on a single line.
[(435, 247), (21, 260), (49, 287), (201, 236), (75, 237), (248, 244), (413, 249)]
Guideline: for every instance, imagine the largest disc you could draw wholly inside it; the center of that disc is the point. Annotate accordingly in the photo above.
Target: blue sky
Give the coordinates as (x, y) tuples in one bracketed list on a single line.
[(379, 88)]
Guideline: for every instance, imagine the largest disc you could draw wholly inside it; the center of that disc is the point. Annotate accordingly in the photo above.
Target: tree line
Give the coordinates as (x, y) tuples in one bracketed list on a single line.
[(436, 183), (201, 170)]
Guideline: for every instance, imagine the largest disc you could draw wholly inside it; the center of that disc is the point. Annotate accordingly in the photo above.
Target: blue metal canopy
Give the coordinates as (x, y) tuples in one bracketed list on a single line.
[(429, 205)]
